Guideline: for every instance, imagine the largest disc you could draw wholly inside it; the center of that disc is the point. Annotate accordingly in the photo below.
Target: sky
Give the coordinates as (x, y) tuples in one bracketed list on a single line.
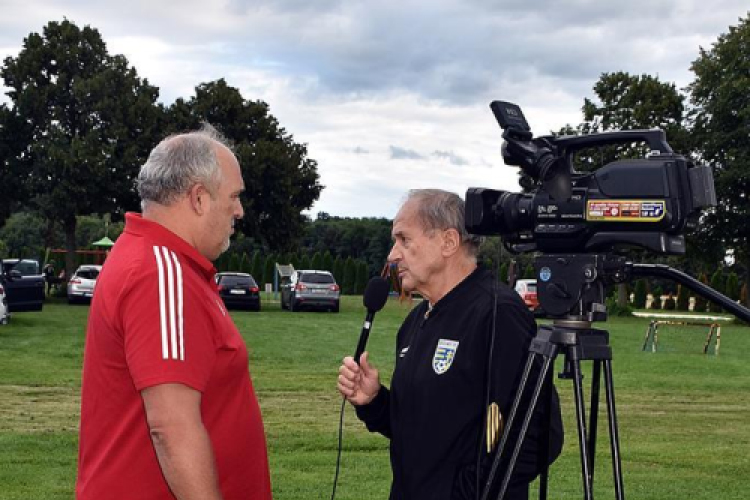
[(394, 95)]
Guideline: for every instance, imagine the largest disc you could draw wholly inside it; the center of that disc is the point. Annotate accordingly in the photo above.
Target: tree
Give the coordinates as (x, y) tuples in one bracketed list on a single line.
[(504, 272), (256, 267), (721, 121), (350, 276), (361, 277), (338, 270), (89, 122), (683, 298), (732, 287), (23, 234), (656, 302), (317, 261), (328, 261), (626, 102), (640, 294), (13, 135), (280, 180), (717, 283)]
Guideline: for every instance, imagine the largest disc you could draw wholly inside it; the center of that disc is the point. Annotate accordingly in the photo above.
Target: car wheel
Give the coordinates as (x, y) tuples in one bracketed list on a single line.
[(293, 306), (335, 307)]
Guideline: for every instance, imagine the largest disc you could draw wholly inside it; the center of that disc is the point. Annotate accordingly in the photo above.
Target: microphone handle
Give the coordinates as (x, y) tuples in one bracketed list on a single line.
[(364, 335)]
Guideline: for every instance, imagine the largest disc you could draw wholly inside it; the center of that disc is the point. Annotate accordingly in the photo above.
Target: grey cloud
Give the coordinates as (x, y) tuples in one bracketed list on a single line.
[(398, 153), (453, 158)]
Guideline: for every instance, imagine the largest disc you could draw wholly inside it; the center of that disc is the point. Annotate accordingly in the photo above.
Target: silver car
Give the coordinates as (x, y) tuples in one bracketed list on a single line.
[(309, 289), (82, 283)]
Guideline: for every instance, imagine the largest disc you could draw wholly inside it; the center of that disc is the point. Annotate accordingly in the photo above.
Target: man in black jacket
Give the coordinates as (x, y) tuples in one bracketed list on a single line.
[(460, 354)]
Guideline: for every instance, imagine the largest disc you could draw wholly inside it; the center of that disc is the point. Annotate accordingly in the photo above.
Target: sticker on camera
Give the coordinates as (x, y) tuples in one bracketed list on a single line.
[(625, 210)]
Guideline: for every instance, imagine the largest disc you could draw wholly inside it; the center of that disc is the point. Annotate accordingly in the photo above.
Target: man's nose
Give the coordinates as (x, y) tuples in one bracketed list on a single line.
[(394, 255)]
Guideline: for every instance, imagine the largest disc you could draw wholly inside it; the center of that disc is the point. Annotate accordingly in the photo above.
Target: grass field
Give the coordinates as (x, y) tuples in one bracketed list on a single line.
[(684, 416)]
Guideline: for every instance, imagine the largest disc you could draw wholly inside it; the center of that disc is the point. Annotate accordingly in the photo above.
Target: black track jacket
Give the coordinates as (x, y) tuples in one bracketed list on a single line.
[(434, 411)]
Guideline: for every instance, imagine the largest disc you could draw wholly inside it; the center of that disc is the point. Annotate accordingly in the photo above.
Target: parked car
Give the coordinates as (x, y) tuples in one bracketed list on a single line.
[(238, 291), (82, 283), (310, 290), (527, 290), (4, 314), (23, 284)]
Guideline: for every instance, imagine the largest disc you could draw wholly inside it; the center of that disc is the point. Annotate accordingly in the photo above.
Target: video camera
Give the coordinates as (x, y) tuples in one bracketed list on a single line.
[(646, 203)]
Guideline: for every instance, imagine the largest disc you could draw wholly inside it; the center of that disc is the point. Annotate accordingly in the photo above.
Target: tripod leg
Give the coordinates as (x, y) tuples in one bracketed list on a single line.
[(543, 456), (613, 434), (511, 417), (596, 376), (581, 421), (525, 426)]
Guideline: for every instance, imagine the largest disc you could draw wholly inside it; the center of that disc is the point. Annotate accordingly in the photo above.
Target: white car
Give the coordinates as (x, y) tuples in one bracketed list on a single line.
[(82, 283), (4, 314)]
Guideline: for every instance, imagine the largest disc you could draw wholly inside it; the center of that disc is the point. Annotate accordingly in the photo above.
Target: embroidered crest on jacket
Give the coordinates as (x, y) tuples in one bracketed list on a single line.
[(444, 354)]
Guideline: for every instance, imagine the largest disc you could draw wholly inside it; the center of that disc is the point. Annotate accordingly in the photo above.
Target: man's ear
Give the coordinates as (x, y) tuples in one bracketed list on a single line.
[(451, 242), (198, 197)]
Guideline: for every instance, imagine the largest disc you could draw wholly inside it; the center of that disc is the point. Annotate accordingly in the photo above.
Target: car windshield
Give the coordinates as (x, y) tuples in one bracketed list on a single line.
[(88, 274), (247, 281), (316, 278), (531, 287), (26, 267)]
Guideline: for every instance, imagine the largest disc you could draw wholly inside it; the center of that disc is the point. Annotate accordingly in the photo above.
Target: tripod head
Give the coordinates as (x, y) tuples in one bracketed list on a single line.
[(571, 287)]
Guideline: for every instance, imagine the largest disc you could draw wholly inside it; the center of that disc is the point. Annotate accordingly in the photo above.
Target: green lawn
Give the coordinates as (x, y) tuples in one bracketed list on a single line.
[(683, 415)]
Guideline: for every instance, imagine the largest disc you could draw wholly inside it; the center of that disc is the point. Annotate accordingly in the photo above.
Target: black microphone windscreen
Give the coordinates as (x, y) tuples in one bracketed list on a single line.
[(376, 293)]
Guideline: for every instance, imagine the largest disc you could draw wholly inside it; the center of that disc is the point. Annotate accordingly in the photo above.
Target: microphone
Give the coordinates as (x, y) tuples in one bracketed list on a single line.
[(376, 295)]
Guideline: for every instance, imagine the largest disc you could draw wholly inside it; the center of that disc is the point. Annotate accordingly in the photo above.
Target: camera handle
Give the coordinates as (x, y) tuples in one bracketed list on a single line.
[(579, 342)]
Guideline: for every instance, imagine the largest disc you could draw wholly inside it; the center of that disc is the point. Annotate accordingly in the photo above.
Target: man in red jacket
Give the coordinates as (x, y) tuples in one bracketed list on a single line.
[(168, 409)]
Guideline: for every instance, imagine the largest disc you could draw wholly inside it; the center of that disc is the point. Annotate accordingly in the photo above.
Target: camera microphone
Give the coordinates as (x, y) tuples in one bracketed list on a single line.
[(375, 297)]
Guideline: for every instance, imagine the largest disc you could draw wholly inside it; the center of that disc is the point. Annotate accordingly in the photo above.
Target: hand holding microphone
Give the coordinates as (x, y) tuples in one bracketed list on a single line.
[(359, 384)]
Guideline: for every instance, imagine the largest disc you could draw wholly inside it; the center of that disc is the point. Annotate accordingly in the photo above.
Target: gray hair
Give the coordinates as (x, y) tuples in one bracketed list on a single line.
[(438, 209), (178, 162)]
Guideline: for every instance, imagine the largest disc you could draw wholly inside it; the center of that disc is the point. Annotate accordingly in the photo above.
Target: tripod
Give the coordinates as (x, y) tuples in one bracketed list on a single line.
[(574, 282)]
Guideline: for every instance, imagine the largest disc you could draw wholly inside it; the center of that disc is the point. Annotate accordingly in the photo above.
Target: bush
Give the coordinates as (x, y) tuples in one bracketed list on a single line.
[(656, 303), (613, 309)]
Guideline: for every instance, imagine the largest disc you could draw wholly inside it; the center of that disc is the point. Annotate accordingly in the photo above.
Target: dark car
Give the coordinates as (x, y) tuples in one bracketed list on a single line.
[(310, 290), (23, 283), (238, 291)]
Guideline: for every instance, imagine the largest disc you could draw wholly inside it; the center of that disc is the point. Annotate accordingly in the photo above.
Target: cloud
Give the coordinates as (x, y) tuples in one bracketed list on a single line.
[(398, 153), (364, 83), (453, 158)]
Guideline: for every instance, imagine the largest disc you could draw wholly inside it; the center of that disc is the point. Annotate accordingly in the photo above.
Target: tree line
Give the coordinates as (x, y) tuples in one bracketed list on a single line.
[(80, 122), (351, 274)]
